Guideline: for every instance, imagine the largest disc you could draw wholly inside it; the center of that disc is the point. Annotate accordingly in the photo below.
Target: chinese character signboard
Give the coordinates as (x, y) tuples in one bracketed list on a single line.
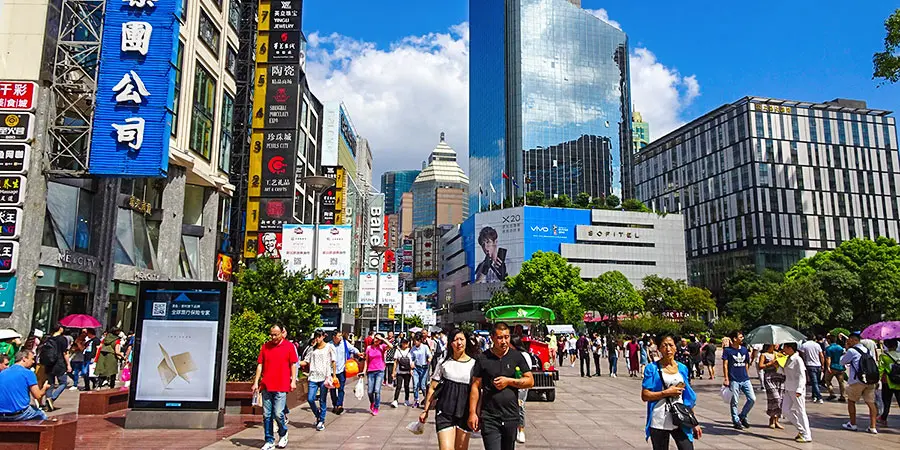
[(18, 95), (179, 350), (334, 251), (297, 247), (12, 190), (10, 218), (274, 212), (280, 15), (14, 157), (16, 126), (134, 89), (9, 256), (7, 293)]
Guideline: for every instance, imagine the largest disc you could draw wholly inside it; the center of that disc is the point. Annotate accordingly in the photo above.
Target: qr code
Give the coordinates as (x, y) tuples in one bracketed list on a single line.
[(298, 261), (159, 309)]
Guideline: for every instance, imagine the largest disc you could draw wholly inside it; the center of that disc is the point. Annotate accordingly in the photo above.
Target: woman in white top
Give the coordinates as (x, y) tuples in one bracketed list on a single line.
[(522, 347), (667, 382), (319, 360), (571, 347), (449, 392)]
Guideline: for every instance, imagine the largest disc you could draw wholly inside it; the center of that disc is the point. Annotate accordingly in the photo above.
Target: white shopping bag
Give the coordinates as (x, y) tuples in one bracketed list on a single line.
[(360, 390), (416, 427), (256, 398), (91, 368), (726, 395)]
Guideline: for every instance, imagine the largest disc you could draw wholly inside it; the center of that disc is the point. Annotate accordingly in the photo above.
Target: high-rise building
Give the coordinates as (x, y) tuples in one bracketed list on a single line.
[(339, 139), (394, 184), (442, 171), (364, 162), (764, 182), (550, 78), (406, 214), (640, 132)]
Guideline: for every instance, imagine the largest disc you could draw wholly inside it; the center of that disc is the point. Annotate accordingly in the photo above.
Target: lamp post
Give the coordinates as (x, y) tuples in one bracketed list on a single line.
[(379, 249), (318, 184)]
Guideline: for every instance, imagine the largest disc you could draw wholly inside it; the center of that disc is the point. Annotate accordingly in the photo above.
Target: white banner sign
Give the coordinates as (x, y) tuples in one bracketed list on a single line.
[(368, 287), (334, 251), (297, 247), (388, 290), (408, 299)]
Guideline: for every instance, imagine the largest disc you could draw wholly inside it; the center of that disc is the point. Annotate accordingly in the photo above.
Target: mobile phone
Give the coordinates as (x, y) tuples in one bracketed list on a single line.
[(501, 254), (679, 384)]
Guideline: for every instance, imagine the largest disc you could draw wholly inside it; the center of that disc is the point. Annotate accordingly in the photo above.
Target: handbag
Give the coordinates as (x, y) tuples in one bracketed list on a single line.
[(682, 415)]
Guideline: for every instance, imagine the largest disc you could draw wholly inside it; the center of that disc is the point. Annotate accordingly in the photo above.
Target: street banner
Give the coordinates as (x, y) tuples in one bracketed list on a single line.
[(334, 251), (388, 289), (297, 247), (368, 288)]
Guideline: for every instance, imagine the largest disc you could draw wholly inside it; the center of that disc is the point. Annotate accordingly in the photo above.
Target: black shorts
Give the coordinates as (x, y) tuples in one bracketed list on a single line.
[(442, 422)]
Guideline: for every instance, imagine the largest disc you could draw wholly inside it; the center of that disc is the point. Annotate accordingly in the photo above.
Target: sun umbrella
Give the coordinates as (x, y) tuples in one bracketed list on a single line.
[(79, 321), (773, 334), (415, 330), (9, 333), (881, 331)]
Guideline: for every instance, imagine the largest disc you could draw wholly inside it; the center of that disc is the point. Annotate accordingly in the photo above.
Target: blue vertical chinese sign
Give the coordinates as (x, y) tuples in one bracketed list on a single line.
[(135, 87)]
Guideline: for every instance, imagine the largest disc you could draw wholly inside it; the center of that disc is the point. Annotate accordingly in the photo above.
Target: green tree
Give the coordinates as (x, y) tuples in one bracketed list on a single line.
[(611, 294), (662, 294), (749, 296), (612, 201), (413, 322), (696, 300), (651, 325), (801, 304), (247, 333), (633, 204), (724, 326), (887, 63), (583, 200), (561, 201), (693, 325), (547, 280), (279, 296), (535, 198), (599, 203)]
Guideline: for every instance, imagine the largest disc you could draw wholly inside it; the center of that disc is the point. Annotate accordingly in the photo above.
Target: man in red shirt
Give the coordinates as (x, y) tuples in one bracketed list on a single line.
[(277, 368)]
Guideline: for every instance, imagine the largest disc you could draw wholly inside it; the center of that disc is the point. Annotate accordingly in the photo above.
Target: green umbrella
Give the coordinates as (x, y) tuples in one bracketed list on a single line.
[(520, 313), (773, 334)]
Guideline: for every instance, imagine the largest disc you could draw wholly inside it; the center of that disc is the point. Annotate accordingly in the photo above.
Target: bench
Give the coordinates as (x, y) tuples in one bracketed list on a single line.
[(56, 433), (98, 403)]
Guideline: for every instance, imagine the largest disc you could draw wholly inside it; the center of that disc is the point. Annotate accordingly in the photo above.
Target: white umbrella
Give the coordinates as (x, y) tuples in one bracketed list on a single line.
[(415, 329), (9, 333), (773, 334)]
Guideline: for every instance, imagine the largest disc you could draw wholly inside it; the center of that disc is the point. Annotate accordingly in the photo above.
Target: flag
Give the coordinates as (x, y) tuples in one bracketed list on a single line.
[(514, 183), (480, 190), (505, 176), (491, 184)]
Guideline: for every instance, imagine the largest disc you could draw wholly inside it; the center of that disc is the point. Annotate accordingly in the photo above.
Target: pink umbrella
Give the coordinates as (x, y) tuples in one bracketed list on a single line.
[(79, 321), (882, 330)]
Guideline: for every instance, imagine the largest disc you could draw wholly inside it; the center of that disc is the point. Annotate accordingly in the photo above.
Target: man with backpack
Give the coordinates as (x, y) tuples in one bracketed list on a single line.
[(889, 364), (863, 379), (53, 356)]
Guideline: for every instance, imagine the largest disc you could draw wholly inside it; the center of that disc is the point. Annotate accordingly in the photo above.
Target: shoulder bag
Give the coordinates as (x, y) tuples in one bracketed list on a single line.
[(682, 415)]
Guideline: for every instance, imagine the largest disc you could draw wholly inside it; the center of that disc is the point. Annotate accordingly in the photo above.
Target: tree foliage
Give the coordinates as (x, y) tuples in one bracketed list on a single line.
[(583, 200), (662, 294), (612, 201), (887, 63), (611, 294), (247, 334), (413, 321), (280, 296), (633, 204), (547, 280), (535, 198)]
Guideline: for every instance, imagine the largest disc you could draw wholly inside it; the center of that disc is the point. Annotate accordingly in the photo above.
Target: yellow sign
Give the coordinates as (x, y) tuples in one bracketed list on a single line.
[(12, 120), (390, 313), (253, 214), (265, 9), (773, 108), (250, 245), (356, 313), (262, 48), (259, 97)]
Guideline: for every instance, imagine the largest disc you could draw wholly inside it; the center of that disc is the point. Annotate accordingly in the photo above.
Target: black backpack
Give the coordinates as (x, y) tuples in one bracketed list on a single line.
[(403, 362), (894, 371), (867, 370), (49, 354)]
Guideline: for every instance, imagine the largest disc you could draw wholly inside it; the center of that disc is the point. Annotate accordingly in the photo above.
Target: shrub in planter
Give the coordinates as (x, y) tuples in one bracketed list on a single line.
[(248, 333)]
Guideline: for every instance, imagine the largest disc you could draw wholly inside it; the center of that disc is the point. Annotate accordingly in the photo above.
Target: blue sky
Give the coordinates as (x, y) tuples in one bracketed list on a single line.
[(802, 50)]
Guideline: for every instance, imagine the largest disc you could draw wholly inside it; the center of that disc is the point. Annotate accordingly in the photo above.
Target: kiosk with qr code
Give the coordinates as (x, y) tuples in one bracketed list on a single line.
[(180, 355)]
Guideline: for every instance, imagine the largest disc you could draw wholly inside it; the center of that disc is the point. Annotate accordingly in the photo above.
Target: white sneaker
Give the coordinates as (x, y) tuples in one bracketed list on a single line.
[(394, 404), (282, 443), (520, 437), (820, 401), (73, 388), (873, 431), (850, 426), (320, 426), (268, 446)]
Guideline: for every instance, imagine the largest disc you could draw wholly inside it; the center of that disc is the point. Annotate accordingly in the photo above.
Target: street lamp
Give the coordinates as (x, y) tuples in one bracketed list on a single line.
[(318, 184), (379, 249)]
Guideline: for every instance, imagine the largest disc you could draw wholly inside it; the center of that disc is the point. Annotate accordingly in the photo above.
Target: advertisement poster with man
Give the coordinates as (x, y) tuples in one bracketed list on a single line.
[(498, 245)]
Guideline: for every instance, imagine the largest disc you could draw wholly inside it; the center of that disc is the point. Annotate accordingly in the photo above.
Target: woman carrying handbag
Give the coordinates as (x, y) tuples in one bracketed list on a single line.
[(670, 400)]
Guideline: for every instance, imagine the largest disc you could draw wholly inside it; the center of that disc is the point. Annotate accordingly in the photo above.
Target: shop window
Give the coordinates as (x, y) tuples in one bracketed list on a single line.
[(190, 257), (234, 15), (204, 112), (224, 224), (176, 99), (231, 61), (209, 34), (136, 239), (122, 305), (226, 140), (194, 199), (68, 217), (148, 190)]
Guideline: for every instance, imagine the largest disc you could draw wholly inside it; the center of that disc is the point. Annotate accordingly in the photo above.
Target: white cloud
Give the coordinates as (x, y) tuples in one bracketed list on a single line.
[(603, 15), (660, 93), (400, 98)]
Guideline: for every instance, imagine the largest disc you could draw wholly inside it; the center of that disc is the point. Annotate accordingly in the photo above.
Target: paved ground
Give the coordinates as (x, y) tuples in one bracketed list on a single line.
[(588, 413)]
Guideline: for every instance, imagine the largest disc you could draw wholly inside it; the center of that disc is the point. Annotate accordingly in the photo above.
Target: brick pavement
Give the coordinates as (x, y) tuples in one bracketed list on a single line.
[(588, 413)]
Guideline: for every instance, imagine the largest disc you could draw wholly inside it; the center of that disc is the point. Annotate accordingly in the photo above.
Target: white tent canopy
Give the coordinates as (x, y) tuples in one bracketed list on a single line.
[(561, 329)]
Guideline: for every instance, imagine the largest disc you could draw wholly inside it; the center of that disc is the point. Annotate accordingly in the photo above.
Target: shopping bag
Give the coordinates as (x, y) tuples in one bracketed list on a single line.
[(726, 395), (91, 369), (126, 374), (416, 427), (329, 383), (360, 390), (256, 399)]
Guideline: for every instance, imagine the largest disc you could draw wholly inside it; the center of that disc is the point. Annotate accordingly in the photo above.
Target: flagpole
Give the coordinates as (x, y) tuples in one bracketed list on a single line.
[(480, 193)]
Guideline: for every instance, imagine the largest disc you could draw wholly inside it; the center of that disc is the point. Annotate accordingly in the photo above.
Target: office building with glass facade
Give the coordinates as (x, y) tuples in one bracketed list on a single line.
[(394, 184), (765, 182), (549, 78), (640, 132), (441, 172)]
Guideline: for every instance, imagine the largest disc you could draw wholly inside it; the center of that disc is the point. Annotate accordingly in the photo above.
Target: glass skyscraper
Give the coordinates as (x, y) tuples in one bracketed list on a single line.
[(550, 101), (394, 184)]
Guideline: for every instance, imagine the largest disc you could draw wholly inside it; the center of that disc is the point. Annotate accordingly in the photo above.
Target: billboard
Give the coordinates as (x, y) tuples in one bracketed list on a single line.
[(180, 346), (269, 245), (546, 228), (135, 88), (388, 289), (427, 291), (334, 251), (297, 247), (368, 288), (374, 231), (499, 247)]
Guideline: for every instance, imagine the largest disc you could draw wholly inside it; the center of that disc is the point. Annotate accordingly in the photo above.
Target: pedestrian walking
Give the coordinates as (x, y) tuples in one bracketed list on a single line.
[(795, 392), (4, 363), (683, 355), (889, 366), (421, 360), (389, 361), (734, 369), (18, 385), (597, 347), (320, 361), (665, 383), (572, 349), (403, 368), (813, 356), (633, 349), (583, 345), (54, 358), (109, 353), (449, 392), (374, 370), (494, 399), (552, 344), (696, 357), (517, 343), (644, 353), (773, 382), (612, 350), (560, 349), (342, 352), (276, 375), (709, 357), (834, 370), (862, 386)]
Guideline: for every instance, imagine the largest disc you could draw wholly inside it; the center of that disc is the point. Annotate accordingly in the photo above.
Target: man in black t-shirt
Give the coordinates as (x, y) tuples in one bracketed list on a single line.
[(494, 383)]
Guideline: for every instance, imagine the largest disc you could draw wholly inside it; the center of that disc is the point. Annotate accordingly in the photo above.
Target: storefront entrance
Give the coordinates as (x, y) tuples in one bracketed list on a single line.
[(60, 292)]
